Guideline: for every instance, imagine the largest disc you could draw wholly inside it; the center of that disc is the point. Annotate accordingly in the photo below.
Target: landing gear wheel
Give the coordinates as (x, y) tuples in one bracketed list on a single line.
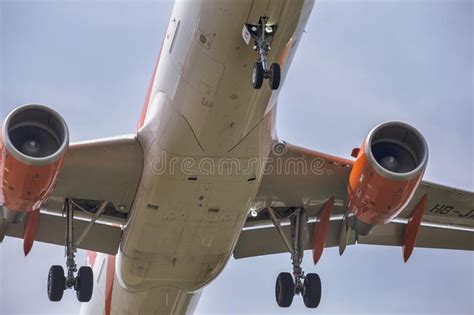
[(56, 283), (258, 74), (284, 289), (84, 284), (275, 75), (312, 290)]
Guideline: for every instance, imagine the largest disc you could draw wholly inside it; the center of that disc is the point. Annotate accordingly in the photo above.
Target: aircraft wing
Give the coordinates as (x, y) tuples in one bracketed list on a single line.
[(298, 177), (97, 174), (447, 223)]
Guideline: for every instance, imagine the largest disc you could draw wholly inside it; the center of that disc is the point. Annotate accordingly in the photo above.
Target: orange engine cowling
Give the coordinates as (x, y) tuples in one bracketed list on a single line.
[(34, 142), (388, 169)]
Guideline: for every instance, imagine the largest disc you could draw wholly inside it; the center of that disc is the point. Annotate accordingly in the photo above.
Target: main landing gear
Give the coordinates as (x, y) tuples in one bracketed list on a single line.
[(263, 35), (83, 283), (288, 285)]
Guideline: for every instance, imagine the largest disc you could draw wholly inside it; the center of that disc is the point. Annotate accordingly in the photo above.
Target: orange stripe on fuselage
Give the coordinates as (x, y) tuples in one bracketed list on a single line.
[(91, 257), (150, 89), (109, 283)]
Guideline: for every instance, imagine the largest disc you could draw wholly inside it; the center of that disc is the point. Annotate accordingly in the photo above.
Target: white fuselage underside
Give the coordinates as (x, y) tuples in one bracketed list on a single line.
[(204, 137)]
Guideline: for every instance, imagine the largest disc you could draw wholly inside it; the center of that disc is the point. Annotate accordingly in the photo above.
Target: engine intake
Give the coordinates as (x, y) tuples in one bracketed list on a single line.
[(397, 150), (35, 135)]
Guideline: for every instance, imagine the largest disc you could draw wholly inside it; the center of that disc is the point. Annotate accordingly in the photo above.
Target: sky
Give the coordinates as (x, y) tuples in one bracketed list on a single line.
[(360, 63)]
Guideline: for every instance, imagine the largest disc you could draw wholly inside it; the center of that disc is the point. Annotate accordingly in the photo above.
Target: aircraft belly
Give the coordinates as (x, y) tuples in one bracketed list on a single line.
[(184, 230)]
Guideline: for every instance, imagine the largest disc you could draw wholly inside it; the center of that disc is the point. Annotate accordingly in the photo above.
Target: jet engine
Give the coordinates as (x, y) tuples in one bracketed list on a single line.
[(34, 142), (388, 169)]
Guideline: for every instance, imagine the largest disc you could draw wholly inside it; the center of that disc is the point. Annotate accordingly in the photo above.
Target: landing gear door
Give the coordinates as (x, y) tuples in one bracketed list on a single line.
[(270, 8), (274, 10)]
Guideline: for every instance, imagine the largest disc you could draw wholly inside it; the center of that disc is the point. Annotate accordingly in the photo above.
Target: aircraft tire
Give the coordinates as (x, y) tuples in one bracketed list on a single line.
[(257, 75), (275, 76), (284, 289), (85, 284), (56, 283), (312, 290)]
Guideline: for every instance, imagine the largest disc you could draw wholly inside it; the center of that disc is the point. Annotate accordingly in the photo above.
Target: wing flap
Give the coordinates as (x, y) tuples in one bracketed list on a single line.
[(101, 238), (428, 237), (265, 241)]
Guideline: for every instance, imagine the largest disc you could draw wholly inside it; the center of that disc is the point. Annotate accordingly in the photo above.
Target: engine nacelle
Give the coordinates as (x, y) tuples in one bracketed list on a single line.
[(34, 142), (388, 169)]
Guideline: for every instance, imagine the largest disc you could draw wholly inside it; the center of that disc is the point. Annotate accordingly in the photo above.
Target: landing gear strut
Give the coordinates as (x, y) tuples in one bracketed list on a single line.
[(288, 285), (57, 282), (263, 35)]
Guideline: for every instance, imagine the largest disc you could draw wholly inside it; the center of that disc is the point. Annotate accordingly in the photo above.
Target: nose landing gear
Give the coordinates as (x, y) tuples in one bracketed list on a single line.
[(263, 36), (288, 285), (83, 283)]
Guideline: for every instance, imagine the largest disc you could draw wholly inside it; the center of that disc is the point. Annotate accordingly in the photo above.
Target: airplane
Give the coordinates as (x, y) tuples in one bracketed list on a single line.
[(113, 220)]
